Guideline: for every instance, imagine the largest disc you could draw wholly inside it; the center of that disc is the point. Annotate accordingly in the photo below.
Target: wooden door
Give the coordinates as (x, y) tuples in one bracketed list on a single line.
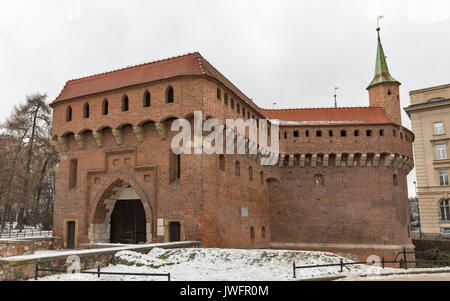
[(71, 235), (175, 232)]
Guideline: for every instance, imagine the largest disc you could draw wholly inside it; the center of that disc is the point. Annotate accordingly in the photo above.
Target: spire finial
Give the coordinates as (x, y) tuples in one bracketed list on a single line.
[(378, 22), (335, 96)]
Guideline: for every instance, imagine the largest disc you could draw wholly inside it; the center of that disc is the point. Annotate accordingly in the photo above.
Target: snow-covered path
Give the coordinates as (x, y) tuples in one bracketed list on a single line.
[(219, 265)]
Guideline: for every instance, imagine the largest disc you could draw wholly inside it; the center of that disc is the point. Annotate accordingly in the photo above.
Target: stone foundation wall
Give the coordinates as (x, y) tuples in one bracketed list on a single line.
[(28, 246)]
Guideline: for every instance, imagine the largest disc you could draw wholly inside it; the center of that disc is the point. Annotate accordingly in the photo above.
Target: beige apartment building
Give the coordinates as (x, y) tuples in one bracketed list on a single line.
[(430, 115)]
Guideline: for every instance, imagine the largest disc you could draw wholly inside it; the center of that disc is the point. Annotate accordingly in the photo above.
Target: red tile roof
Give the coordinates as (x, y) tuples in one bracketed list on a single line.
[(193, 64), (329, 116)]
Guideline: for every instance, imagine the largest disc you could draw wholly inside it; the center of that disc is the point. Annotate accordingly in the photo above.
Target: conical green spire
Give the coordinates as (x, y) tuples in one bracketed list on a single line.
[(382, 74)]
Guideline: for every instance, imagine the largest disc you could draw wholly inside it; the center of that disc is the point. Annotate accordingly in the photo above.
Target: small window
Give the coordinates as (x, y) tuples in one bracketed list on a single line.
[(125, 104), (237, 170), (69, 113), (86, 110), (441, 151), (105, 107), (248, 114), (243, 112), (389, 92), (147, 99), (170, 95), (381, 133), (296, 134), (443, 177), (307, 133), (343, 133), (330, 133), (438, 128), (319, 134), (252, 234), (318, 179), (238, 108), (225, 101), (232, 103), (219, 94), (285, 135), (250, 173), (369, 133), (356, 133), (244, 211), (263, 232), (394, 133), (395, 178), (222, 162)]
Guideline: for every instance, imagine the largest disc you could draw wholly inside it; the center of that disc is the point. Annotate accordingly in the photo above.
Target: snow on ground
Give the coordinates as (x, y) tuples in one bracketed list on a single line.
[(220, 265)]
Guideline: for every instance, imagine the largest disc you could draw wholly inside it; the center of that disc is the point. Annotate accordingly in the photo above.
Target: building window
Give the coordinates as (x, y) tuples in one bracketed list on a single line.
[(219, 94), (438, 128), (73, 171), (395, 179), (285, 135), (222, 162), (319, 134), (252, 234), (237, 170), (445, 210), (147, 99), (381, 133), (86, 110), (226, 99), (105, 107), (174, 167), (394, 133), (244, 211), (401, 136), (356, 133), (441, 151), (232, 103), (125, 104), (369, 133), (296, 134), (243, 112), (170, 96), (330, 133), (318, 179), (238, 108), (263, 232), (69, 113), (443, 177), (250, 173), (343, 133)]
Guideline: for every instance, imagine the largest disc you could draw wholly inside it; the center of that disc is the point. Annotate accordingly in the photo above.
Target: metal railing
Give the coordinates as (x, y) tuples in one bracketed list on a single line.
[(99, 273), (25, 234), (403, 262)]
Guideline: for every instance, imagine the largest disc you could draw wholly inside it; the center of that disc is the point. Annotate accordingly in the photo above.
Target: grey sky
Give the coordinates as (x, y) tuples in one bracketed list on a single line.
[(290, 52)]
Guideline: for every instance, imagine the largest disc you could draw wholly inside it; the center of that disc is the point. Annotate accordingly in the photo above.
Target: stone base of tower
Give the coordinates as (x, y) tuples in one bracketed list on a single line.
[(359, 253)]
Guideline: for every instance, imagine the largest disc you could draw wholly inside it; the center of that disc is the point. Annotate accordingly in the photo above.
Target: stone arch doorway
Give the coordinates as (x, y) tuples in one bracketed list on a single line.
[(121, 215)]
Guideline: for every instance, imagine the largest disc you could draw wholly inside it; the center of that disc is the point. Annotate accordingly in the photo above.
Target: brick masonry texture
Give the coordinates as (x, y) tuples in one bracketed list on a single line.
[(363, 200)]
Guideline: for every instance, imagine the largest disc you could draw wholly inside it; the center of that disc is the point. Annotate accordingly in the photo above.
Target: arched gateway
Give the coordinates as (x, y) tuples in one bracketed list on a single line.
[(121, 215)]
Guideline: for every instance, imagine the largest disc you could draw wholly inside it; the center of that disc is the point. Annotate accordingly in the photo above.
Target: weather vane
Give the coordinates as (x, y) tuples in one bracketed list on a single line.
[(335, 96), (378, 22)]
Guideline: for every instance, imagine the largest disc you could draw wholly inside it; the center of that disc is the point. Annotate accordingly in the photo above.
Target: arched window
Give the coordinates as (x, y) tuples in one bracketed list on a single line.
[(170, 97), (69, 113), (147, 99), (318, 179), (105, 107), (445, 210), (237, 170), (250, 173), (222, 162), (395, 179), (125, 104), (86, 110)]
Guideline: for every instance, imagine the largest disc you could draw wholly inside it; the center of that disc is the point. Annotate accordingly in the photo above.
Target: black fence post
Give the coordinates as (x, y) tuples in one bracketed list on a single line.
[(168, 276), (36, 271), (438, 261), (382, 261), (98, 271), (405, 258), (295, 276), (342, 265)]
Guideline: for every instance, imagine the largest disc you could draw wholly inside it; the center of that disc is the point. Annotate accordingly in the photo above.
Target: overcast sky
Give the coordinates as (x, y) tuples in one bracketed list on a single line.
[(289, 52)]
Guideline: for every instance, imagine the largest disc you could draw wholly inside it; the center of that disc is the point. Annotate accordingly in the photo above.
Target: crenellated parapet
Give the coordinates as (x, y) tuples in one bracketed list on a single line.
[(395, 161)]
